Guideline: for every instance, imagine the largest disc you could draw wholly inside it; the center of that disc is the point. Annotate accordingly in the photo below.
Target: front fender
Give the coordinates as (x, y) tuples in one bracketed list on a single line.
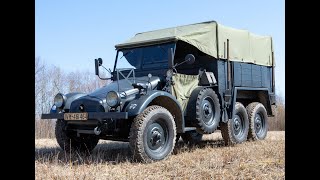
[(136, 106), (71, 97), (160, 98)]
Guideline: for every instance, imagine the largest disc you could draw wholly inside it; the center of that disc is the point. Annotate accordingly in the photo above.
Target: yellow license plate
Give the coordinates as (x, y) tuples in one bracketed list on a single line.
[(76, 116)]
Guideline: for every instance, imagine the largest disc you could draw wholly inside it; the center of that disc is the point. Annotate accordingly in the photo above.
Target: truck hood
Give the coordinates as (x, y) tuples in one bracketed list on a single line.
[(124, 86), (96, 101)]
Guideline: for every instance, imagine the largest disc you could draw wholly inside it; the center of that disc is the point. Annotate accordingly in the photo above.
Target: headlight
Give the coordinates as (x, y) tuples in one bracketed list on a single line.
[(59, 100), (113, 99)]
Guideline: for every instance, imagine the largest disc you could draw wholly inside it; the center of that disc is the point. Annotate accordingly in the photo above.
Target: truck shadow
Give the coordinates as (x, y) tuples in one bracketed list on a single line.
[(110, 152), (182, 147)]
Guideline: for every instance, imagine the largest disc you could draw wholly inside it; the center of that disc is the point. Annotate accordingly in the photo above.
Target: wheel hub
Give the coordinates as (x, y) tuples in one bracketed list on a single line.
[(155, 137), (237, 125), (258, 122), (207, 111)]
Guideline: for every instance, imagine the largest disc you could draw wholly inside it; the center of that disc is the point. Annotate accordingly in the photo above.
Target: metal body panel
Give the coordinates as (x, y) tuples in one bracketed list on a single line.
[(71, 97), (253, 81), (251, 75), (222, 78)]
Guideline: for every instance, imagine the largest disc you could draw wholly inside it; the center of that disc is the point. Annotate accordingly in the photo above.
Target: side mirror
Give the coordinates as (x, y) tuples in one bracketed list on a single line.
[(189, 59), (170, 58), (100, 61), (97, 63)]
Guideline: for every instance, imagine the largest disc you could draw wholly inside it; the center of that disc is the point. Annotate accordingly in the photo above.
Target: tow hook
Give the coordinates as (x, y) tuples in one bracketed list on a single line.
[(102, 126), (97, 130)]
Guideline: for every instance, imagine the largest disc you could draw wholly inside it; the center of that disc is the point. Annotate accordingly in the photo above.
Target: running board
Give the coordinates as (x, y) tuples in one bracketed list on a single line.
[(189, 128)]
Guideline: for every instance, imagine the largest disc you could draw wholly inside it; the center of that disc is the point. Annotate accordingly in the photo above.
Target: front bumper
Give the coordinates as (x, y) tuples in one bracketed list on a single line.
[(91, 115)]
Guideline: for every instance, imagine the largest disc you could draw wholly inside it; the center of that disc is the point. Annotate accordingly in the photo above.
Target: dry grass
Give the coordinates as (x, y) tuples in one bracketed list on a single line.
[(209, 160), (44, 128), (277, 123)]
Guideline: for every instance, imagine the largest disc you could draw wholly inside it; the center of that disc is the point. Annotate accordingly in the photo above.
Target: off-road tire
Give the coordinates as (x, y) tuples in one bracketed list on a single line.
[(152, 135), (191, 137), (85, 143), (235, 131), (207, 111), (258, 121)]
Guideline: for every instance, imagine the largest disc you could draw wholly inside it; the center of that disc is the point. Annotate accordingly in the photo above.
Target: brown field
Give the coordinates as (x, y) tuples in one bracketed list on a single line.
[(209, 160)]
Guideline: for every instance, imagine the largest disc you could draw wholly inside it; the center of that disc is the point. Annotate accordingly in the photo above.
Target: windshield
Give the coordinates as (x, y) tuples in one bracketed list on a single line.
[(149, 57)]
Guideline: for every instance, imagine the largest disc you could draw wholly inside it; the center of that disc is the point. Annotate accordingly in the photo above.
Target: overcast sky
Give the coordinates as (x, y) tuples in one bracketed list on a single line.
[(71, 34)]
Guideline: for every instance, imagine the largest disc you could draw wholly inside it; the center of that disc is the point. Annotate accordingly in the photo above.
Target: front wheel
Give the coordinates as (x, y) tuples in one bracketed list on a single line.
[(152, 134), (235, 131)]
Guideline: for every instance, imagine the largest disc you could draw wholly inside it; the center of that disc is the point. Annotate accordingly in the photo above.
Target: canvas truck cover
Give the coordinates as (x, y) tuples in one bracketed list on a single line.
[(183, 87), (211, 38)]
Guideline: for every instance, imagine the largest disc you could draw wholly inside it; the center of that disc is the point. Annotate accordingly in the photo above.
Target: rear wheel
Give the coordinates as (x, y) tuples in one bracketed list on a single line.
[(258, 124), (235, 131), (152, 134), (68, 142)]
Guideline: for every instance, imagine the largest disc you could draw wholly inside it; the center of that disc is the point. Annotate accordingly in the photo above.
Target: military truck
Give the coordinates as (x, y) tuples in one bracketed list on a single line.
[(184, 81)]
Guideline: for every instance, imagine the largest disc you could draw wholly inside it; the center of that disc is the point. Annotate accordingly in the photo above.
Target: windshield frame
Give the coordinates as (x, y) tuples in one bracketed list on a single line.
[(174, 43)]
